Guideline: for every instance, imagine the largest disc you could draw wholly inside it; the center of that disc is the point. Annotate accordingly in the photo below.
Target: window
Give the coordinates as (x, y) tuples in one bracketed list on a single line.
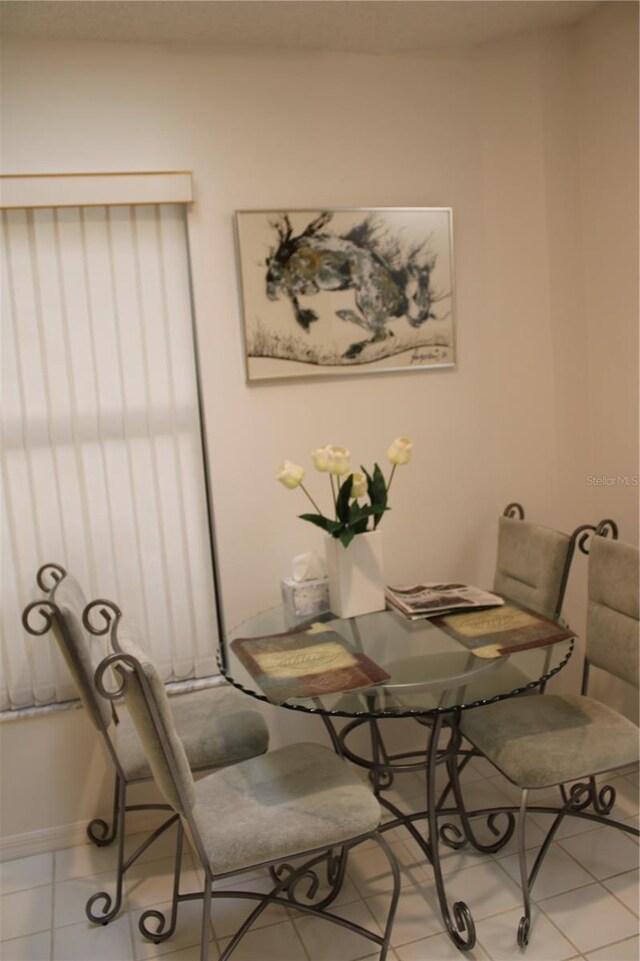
[(102, 458)]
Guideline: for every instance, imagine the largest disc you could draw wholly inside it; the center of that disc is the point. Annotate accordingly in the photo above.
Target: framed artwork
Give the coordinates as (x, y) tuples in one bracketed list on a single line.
[(346, 291)]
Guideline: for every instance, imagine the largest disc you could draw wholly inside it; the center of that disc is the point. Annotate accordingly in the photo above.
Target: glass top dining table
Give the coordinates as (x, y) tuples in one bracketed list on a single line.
[(428, 669), (431, 665)]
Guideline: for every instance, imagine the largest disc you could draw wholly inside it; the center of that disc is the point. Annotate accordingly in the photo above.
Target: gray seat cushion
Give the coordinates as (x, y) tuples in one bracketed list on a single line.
[(543, 741), (217, 726), (284, 803)]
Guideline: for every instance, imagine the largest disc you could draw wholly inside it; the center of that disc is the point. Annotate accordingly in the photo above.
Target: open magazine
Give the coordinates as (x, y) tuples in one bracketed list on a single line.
[(426, 600)]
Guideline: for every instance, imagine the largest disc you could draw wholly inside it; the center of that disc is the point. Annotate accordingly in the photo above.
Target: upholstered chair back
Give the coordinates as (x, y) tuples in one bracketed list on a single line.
[(146, 700), (531, 564), (81, 650), (612, 614)]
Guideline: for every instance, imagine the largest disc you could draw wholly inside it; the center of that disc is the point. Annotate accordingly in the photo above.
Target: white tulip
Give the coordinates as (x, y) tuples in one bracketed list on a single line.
[(320, 457), (400, 451), (339, 460), (290, 474), (359, 485)]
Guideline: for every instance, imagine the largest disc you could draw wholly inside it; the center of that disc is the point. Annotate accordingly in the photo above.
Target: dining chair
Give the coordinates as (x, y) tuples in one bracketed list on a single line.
[(567, 740), (216, 726), (297, 802), (532, 568)]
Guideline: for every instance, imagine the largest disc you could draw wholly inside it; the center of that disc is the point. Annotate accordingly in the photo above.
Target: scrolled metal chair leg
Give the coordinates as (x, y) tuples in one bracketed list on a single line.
[(206, 916), (524, 927), (112, 903), (98, 831), (160, 933)]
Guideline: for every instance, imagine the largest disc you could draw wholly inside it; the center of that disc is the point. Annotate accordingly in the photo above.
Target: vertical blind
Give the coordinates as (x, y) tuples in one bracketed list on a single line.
[(102, 466)]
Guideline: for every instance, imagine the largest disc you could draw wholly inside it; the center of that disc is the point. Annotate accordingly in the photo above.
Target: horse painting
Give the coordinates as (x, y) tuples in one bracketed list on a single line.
[(390, 280)]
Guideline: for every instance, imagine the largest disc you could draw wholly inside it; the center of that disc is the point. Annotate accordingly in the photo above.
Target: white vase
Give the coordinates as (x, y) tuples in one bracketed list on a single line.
[(356, 579)]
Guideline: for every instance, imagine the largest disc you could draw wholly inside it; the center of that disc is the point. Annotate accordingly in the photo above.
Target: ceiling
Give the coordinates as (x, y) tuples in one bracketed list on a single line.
[(362, 26)]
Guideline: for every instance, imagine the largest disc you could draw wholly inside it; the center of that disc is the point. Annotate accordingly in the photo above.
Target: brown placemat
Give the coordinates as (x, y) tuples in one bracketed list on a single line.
[(300, 664), (507, 626)]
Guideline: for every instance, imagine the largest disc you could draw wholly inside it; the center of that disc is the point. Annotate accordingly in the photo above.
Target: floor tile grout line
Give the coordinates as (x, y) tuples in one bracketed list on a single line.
[(564, 933), (600, 882), (130, 923), (558, 928), (52, 930), (583, 866), (574, 859), (292, 921), (54, 891)]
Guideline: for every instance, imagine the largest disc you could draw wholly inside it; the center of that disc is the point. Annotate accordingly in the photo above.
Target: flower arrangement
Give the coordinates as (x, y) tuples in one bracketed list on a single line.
[(350, 517)]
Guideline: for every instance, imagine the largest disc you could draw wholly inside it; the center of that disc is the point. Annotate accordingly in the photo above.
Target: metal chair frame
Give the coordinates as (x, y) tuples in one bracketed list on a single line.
[(579, 540), (387, 764), (575, 800), (285, 876), (99, 831)]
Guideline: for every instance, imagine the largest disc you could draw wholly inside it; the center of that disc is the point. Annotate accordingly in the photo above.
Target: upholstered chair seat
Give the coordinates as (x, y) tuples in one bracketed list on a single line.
[(296, 799), (541, 742)]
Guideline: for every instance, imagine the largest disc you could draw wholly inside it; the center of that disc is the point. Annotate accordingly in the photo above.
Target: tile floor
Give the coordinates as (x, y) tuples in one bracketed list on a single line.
[(586, 898)]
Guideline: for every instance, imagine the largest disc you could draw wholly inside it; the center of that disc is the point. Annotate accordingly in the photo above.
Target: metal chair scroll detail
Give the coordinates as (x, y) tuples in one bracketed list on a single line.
[(298, 802), (215, 724)]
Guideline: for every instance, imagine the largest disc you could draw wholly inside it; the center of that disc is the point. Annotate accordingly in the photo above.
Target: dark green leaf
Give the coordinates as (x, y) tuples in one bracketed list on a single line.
[(357, 513), (342, 502), (346, 536), (379, 498), (320, 521)]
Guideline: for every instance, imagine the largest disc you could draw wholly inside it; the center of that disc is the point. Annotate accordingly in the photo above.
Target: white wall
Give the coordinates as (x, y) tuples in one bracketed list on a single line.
[(496, 134)]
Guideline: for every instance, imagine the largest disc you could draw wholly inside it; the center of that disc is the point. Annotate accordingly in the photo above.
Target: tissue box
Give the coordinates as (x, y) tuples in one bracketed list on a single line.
[(305, 598)]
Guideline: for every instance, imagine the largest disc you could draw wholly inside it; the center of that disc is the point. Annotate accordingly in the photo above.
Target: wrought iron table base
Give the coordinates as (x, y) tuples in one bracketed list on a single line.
[(383, 766), (458, 919)]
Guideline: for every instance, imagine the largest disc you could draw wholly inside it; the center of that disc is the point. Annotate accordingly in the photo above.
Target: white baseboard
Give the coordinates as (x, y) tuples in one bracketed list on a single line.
[(67, 836)]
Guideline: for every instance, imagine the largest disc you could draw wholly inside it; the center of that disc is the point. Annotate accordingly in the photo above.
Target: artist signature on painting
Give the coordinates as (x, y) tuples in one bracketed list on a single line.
[(420, 356)]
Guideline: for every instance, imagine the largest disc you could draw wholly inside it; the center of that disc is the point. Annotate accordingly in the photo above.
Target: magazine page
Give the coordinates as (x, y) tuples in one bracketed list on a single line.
[(426, 600)]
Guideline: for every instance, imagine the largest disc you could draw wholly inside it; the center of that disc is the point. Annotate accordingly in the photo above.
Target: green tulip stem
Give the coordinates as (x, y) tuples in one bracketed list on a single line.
[(333, 495), (310, 498), (393, 470)]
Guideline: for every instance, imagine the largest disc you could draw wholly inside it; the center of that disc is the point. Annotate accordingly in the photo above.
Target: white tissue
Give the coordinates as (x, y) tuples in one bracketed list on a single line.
[(307, 567)]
